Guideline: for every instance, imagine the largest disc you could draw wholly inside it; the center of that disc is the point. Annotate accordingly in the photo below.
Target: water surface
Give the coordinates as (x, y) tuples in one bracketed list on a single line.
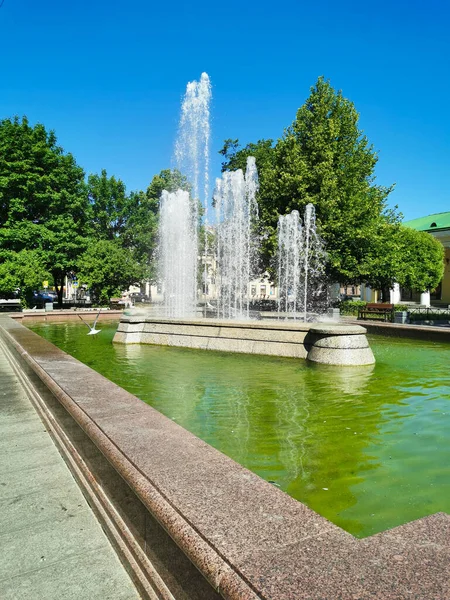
[(367, 448)]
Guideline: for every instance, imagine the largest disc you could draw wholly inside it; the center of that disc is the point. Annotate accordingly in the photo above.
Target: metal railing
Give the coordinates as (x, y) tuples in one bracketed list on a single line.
[(429, 314)]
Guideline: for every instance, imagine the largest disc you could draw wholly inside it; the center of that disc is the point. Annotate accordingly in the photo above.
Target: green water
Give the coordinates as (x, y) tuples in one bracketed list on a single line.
[(367, 448)]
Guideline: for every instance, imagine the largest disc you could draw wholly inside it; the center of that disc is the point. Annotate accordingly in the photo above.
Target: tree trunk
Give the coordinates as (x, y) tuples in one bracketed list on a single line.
[(385, 295), (59, 285)]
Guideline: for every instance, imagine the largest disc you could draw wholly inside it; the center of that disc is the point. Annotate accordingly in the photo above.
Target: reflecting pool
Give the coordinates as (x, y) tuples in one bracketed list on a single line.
[(366, 447)]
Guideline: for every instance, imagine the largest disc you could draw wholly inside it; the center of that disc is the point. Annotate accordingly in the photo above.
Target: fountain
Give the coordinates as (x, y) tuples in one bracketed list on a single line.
[(178, 254), (237, 254), (180, 212), (301, 265), (237, 243)]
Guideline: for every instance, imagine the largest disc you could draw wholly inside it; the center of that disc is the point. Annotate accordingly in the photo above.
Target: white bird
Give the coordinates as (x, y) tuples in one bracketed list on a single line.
[(92, 330)]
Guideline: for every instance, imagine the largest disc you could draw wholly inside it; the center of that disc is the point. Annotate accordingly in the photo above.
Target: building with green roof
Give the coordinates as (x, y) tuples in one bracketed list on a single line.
[(438, 225)]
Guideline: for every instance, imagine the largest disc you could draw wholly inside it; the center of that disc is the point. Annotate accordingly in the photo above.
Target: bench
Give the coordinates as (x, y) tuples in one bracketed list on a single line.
[(378, 311), (117, 303)]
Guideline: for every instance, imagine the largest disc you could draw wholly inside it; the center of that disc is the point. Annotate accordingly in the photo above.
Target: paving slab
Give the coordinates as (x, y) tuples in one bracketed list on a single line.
[(52, 545), (64, 580)]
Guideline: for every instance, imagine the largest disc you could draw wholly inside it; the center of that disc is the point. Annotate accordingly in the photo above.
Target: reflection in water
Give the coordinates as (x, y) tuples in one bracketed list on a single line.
[(292, 420), (238, 403), (366, 447), (350, 381)]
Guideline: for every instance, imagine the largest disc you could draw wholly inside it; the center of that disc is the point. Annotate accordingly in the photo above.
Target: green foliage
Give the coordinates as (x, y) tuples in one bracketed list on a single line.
[(237, 159), (43, 201), (21, 270), (323, 158), (108, 268), (128, 220), (414, 259), (422, 260), (401, 308), (169, 180), (109, 204), (53, 224), (383, 257), (131, 221), (351, 307)]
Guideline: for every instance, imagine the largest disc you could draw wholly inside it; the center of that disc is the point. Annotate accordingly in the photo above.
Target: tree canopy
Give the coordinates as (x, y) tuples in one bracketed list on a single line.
[(22, 271), (322, 158), (108, 268), (43, 203), (422, 260)]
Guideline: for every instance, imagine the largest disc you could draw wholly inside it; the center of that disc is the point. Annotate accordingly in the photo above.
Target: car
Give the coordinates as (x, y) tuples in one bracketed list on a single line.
[(139, 297), (44, 297)]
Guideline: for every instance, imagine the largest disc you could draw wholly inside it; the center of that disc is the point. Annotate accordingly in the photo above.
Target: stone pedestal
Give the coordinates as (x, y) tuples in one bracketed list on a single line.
[(339, 345)]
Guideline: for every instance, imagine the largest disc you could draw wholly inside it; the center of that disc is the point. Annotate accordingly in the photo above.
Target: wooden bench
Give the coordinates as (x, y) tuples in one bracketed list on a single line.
[(378, 311), (116, 303)]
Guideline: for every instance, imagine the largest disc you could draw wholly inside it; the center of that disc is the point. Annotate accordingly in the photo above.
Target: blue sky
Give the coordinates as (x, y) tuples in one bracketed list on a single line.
[(108, 77)]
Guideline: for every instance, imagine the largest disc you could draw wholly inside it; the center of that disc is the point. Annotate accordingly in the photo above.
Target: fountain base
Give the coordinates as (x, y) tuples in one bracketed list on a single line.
[(322, 343)]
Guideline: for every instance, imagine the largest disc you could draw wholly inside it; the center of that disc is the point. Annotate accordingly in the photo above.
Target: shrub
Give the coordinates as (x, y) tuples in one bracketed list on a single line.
[(400, 307), (351, 307)]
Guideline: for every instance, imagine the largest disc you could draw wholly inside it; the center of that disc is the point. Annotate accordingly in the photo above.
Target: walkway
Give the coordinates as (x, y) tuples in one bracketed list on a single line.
[(51, 544)]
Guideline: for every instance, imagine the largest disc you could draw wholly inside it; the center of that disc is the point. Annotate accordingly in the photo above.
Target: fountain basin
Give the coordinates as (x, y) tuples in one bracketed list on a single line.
[(330, 344)]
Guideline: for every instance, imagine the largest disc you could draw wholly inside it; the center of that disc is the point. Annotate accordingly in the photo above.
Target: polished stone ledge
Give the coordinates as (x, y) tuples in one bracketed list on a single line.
[(247, 538)]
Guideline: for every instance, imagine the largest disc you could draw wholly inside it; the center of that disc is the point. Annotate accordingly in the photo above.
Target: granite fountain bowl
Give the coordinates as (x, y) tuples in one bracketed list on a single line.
[(326, 343)]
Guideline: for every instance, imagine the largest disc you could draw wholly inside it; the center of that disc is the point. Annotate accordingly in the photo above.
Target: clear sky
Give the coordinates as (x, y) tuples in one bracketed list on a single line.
[(108, 77)]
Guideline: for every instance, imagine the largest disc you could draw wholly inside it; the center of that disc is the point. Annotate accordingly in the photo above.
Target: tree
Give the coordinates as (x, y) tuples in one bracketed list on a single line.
[(422, 259), (22, 271), (43, 200), (110, 205), (108, 268), (384, 258), (169, 180), (237, 159), (323, 158), (398, 254)]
